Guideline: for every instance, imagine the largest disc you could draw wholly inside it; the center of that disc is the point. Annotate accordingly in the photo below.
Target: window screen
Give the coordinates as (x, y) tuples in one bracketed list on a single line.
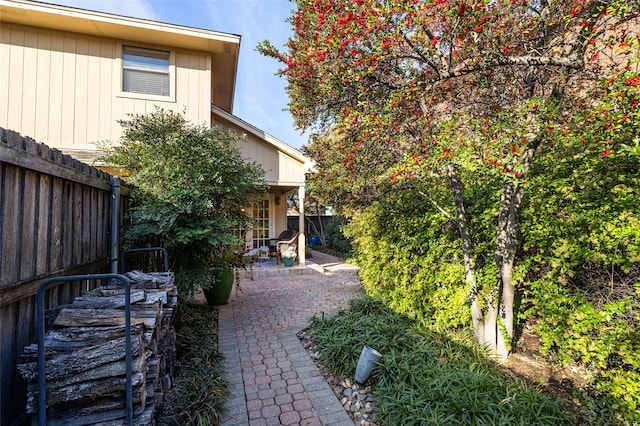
[(145, 71)]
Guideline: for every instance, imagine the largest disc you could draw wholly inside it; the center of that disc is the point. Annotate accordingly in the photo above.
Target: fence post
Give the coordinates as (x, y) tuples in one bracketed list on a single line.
[(115, 222)]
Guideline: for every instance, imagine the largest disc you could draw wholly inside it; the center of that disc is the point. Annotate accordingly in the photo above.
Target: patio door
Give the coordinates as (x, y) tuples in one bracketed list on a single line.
[(262, 223)]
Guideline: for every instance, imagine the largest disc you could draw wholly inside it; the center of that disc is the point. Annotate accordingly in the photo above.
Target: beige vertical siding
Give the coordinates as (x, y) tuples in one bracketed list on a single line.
[(4, 75), (291, 170), (43, 76), (63, 88), (280, 168), (280, 216), (253, 149)]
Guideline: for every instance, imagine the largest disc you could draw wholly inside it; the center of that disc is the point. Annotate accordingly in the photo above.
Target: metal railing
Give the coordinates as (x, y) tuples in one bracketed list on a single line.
[(165, 256)]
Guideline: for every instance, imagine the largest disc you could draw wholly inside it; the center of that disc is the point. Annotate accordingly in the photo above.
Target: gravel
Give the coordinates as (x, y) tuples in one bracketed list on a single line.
[(357, 399)]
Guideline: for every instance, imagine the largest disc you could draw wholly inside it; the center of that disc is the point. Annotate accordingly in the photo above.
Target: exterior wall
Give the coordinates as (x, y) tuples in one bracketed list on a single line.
[(64, 88), (284, 172), (280, 168), (280, 215)]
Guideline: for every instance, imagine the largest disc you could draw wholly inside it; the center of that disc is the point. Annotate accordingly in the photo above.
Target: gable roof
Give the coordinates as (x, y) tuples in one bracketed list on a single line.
[(267, 138)]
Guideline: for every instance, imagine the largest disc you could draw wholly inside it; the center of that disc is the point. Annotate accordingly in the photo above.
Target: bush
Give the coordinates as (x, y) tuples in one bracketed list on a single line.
[(190, 186), (582, 257), (578, 271), (409, 258), (335, 236)]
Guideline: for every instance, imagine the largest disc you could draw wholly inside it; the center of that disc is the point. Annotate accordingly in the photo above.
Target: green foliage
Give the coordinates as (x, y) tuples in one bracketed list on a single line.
[(392, 95), (190, 186), (581, 235), (427, 377), (623, 388), (578, 268), (335, 236), (375, 82), (606, 340), (199, 390), (409, 257), (308, 252)]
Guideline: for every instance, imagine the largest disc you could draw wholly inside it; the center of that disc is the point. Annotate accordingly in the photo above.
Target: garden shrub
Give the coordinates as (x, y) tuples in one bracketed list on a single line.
[(582, 255), (578, 269), (409, 258), (335, 236), (191, 183)]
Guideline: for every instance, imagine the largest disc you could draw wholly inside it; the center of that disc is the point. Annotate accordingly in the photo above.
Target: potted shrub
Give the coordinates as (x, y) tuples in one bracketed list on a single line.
[(218, 284), (289, 256), (219, 278)]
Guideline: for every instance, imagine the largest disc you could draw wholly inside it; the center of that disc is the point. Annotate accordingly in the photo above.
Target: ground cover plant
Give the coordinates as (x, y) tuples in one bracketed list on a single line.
[(199, 390), (427, 377)]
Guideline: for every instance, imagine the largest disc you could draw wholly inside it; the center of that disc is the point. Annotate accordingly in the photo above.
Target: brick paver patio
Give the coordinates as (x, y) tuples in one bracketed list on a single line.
[(273, 380)]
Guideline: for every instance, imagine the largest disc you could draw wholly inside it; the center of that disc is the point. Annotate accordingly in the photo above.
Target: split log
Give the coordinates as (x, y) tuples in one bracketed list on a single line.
[(81, 360), (150, 336), (73, 338), (150, 280), (148, 309), (91, 301), (72, 317), (167, 317), (89, 391), (152, 372), (112, 369), (156, 294), (85, 366), (104, 412)]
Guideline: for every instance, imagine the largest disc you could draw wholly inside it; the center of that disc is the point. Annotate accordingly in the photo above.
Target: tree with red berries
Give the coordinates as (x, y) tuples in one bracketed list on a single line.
[(397, 92)]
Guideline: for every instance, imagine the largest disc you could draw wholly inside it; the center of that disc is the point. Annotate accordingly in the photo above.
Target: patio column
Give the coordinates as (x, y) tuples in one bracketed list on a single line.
[(301, 238)]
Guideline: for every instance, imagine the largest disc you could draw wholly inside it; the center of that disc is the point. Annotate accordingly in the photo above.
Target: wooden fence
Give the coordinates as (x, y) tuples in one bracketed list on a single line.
[(313, 224), (55, 219)]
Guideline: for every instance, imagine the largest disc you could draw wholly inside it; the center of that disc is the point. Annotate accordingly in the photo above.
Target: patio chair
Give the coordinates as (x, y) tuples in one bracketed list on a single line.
[(279, 245)]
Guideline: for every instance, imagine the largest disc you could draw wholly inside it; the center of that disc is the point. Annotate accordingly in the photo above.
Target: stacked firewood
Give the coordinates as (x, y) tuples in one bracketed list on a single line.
[(85, 366)]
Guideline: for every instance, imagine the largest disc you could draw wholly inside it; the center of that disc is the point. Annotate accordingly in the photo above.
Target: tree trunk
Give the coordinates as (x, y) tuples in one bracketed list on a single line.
[(457, 189), (507, 242), (495, 328), (506, 245), (321, 235)]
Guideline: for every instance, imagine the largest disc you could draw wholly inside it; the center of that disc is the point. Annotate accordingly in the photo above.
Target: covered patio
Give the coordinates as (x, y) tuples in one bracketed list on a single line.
[(319, 263), (285, 169)]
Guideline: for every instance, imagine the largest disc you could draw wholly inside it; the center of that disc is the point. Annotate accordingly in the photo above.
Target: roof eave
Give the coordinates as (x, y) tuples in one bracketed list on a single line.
[(251, 129)]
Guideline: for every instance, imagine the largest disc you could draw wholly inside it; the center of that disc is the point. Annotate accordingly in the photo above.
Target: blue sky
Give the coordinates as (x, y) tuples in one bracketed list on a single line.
[(260, 96)]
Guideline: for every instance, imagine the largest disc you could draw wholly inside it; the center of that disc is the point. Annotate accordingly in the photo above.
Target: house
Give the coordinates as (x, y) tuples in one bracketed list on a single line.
[(68, 75)]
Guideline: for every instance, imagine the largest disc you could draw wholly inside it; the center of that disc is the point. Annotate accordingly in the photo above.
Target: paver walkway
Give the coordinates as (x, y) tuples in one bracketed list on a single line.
[(273, 380)]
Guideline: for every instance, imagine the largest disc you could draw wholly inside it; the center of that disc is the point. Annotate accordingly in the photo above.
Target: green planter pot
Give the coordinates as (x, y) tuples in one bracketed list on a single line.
[(288, 261), (221, 291)]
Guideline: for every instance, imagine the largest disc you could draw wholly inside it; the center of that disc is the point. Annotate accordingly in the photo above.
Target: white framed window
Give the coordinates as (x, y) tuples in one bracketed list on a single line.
[(146, 72)]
